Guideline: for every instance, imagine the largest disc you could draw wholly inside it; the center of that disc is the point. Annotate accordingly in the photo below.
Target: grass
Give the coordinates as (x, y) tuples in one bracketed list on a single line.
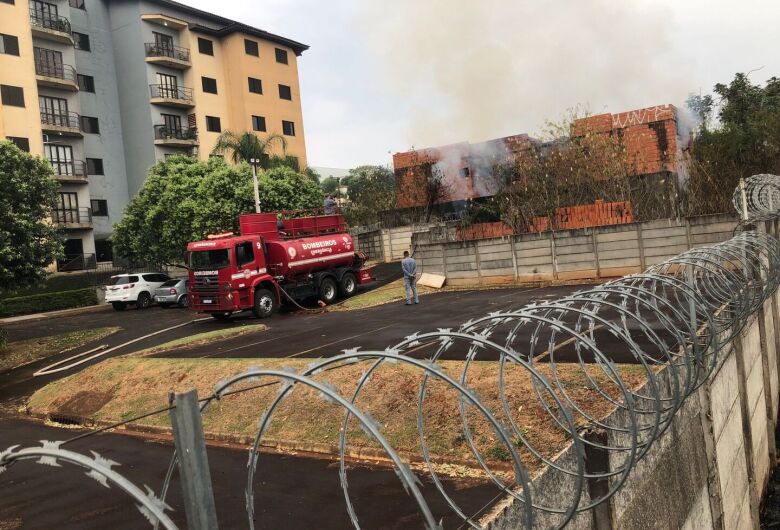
[(202, 338), (392, 292), (22, 352), (127, 387)]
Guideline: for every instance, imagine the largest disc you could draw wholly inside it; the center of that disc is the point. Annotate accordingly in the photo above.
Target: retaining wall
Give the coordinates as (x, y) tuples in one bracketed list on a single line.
[(711, 466), (591, 253)]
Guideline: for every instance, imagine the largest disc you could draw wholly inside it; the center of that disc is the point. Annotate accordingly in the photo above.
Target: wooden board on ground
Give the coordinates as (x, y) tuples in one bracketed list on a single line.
[(431, 280)]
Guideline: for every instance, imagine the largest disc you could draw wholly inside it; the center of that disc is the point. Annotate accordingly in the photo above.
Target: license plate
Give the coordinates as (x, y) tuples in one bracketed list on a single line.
[(208, 301)]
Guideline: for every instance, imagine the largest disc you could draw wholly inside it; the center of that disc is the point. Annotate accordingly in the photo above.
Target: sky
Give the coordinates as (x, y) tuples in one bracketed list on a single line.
[(387, 76)]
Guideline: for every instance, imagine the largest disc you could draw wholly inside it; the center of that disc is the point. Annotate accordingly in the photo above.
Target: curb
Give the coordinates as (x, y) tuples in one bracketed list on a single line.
[(268, 445), (54, 314)]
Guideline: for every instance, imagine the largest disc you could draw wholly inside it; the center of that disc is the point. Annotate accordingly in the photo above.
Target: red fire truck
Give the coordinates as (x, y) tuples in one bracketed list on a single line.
[(274, 260)]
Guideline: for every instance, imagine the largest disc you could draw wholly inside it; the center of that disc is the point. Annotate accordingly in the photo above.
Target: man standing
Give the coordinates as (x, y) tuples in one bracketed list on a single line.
[(329, 205), (409, 268)]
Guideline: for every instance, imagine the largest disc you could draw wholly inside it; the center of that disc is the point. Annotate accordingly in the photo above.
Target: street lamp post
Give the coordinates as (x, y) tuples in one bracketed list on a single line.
[(254, 163)]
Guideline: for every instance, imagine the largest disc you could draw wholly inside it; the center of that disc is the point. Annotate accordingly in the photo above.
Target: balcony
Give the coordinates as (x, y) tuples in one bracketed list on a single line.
[(70, 171), (171, 96), (56, 76), (62, 123), (73, 218), (175, 137), (50, 27), (170, 56)]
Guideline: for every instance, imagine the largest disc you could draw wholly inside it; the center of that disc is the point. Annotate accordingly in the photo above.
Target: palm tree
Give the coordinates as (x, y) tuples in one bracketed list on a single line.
[(247, 146)]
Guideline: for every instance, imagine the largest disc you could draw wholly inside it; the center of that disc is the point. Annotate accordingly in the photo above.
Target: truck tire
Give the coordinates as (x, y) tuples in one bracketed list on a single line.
[(143, 301), (328, 291), (119, 306), (265, 303), (347, 285)]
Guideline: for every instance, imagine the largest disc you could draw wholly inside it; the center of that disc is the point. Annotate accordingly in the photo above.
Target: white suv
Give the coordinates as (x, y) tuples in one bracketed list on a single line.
[(134, 288)]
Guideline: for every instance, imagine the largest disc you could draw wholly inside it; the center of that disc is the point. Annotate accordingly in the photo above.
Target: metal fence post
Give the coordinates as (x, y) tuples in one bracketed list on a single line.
[(193, 462)]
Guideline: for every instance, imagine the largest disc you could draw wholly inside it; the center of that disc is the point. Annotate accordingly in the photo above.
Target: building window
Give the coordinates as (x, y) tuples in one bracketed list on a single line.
[(7, 2), (76, 4), (205, 46), (258, 123), (209, 85), (81, 41), (12, 95), (213, 124), (281, 56), (9, 44), (251, 48), (285, 92), (288, 128), (464, 172), (21, 143), (99, 207), (255, 86), (86, 83), (95, 166), (90, 125)]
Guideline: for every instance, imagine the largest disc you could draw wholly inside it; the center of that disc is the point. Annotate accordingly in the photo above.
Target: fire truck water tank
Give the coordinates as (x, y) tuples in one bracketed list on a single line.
[(310, 254)]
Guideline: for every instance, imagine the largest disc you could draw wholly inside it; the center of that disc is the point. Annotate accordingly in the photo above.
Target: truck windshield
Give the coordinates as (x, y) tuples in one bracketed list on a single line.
[(210, 259)]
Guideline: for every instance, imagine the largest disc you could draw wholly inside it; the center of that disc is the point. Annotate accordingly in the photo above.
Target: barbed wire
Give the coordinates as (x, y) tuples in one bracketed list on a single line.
[(757, 198)]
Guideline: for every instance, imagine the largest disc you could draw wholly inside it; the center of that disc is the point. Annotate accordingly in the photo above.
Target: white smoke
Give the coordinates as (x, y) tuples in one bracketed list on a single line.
[(480, 70)]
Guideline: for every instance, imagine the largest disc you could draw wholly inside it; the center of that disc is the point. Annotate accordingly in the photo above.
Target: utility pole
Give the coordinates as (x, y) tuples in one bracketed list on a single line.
[(254, 162)]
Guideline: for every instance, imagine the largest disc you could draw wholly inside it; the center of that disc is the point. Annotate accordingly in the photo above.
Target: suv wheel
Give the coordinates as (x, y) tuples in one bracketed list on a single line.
[(265, 303), (328, 291), (119, 306), (347, 285), (143, 301)]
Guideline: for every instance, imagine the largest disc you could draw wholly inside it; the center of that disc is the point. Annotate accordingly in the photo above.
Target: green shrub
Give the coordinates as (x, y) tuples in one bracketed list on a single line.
[(39, 303)]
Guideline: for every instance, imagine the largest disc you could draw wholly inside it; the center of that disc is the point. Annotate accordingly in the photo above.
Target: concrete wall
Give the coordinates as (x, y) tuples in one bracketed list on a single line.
[(711, 466), (592, 253)]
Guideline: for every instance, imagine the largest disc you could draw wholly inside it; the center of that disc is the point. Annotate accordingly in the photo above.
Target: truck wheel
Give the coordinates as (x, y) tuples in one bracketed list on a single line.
[(328, 291), (347, 285), (265, 303), (119, 306), (143, 301)]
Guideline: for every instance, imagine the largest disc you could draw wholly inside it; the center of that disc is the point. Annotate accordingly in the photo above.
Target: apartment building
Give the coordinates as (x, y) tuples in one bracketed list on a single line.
[(105, 88)]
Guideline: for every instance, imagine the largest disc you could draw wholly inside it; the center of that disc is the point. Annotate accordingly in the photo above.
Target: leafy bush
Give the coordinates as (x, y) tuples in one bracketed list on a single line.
[(39, 303)]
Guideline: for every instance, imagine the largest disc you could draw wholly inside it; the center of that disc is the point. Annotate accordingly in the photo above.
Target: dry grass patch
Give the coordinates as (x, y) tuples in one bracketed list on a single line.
[(136, 386), (19, 353)]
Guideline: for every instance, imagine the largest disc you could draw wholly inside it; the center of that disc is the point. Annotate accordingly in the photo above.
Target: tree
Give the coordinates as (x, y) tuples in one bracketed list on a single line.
[(744, 141), (330, 185), (246, 146), (29, 242), (370, 189), (565, 170), (184, 199)]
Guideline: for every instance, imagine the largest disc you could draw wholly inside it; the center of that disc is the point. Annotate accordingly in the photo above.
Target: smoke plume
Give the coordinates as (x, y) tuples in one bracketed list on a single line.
[(473, 70)]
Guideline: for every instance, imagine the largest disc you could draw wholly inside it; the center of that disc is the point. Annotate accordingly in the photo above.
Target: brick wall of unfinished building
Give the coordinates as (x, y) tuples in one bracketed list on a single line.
[(650, 135)]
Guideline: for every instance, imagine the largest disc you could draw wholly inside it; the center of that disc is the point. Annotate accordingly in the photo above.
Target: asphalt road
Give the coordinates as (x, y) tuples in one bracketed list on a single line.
[(290, 492)]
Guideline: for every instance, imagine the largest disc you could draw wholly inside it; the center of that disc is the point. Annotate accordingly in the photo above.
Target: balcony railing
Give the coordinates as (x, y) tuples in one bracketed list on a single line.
[(172, 52), (171, 92), (163, 132), (69, 168), (59, 71), (70, 216), (76, 262), (71, 120), (52, 22)]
